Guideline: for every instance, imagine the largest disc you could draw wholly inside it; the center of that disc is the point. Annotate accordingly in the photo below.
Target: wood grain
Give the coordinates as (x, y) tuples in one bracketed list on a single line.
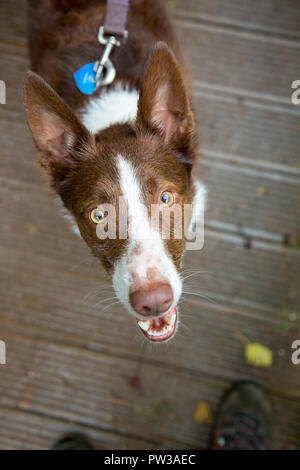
[(77, 365)]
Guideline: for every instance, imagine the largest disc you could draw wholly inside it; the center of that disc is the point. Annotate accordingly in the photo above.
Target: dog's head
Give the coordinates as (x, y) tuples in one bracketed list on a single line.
[(122, 183)]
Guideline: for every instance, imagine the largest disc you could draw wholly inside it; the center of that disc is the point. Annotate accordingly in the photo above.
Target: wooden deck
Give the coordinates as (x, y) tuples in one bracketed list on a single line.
[(74, 365)]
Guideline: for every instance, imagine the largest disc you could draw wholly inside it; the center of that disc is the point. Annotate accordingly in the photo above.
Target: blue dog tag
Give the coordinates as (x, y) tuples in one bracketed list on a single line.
[(85, 79)]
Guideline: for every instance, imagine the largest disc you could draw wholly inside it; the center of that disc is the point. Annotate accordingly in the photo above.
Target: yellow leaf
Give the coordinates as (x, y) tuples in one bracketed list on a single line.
[(262, 191), (31, 229), (202, 413), (258, 355)]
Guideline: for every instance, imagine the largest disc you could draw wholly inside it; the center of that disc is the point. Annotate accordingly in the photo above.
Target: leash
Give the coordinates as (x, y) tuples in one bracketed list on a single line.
[(111, 34)]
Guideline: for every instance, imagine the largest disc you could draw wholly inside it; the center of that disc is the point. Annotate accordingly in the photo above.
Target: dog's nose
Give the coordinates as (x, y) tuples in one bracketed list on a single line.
[(152, 300)]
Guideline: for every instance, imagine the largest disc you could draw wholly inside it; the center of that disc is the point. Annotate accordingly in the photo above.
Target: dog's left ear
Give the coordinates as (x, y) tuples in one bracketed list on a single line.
[(164, 105), (56, 131)]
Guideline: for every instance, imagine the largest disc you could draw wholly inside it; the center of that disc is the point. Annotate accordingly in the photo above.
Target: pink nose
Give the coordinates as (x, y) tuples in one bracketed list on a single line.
[(152, 300)]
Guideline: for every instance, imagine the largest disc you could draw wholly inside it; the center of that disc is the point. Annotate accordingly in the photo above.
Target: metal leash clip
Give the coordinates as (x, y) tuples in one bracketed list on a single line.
[(104, 69)]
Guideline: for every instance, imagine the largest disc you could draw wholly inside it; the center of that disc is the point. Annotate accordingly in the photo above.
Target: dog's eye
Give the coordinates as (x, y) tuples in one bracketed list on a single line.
[(167, 199), (97, 215)]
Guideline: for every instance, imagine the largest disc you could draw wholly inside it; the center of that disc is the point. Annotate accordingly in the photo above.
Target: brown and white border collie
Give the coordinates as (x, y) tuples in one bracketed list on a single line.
[(136, 138)]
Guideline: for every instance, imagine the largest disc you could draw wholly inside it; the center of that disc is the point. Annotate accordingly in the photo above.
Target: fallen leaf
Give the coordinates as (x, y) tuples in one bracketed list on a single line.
[(258, 355), (261, 191), (202, 413), (133, 381), (31, 229), (24, 404)]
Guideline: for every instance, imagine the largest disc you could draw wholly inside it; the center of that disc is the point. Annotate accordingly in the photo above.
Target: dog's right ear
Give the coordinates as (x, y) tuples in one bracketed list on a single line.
[(164, 107), (56, 131)]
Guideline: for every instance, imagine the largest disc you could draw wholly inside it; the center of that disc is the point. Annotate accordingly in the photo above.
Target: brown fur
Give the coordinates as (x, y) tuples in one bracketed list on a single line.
[(63, 38), (162, 144)]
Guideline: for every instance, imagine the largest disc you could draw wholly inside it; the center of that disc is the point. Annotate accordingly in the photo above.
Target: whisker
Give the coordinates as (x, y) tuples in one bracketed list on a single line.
[(113, 303), (201, 295), (109, 298), (185, 327), (92, 308), (195, 274), (185, 315), (94, 292)]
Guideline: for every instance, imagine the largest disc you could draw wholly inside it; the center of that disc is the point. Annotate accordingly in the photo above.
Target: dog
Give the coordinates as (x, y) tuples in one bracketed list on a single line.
[(135, 138)]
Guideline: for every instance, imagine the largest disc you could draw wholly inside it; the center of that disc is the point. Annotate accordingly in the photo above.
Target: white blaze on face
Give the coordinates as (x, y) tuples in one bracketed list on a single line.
[(146, 254)]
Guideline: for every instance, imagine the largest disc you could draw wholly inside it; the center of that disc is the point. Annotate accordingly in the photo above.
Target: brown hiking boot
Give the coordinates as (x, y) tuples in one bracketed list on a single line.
[(243, 419)]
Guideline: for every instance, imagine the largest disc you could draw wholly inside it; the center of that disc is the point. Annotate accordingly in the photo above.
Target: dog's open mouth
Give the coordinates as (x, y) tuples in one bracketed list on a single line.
[(160, 329)]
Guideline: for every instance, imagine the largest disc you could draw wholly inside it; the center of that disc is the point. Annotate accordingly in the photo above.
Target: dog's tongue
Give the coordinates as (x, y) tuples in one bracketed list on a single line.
[(160, 329)]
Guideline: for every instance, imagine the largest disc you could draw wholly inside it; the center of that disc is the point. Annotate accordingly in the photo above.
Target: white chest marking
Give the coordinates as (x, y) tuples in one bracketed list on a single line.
[(117, 105)]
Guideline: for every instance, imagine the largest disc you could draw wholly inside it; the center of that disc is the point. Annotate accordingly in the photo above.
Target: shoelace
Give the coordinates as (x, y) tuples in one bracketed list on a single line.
[(241, 431)]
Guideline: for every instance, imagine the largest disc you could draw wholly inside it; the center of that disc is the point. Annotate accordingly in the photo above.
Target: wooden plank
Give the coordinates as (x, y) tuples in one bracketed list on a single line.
[(22, 430), (232, 133), (13, 69), (239, 192), (12, 22), (99, 391), (47, 302), (252, 198), (215, 55), (40, 230), (63, 350), (129, 397), (235, 60), (251, 134), (267, 139), (265, 16)]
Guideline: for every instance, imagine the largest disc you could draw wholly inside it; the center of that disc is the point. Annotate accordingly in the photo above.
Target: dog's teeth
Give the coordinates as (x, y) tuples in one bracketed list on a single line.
[(151, 331), (171, 319), (159, 333), (144, 324)]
